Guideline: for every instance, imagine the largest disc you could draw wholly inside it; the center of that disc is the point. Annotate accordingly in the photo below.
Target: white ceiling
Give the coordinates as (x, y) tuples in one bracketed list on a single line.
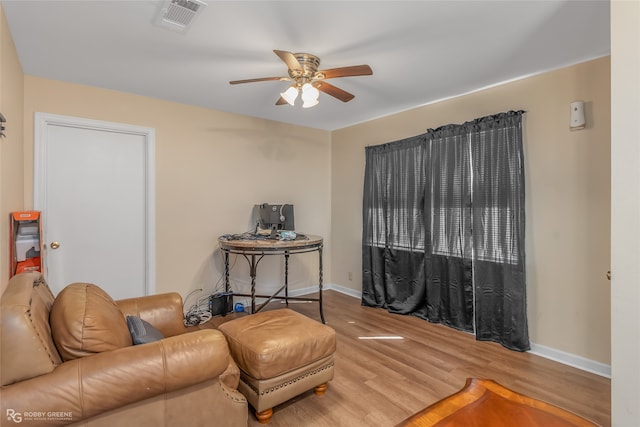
[(420, 51)]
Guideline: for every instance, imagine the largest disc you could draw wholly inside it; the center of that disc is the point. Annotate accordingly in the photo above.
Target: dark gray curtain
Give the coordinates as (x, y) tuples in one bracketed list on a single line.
[(448, 224), (498, 230), (443, 228), (394, 236)]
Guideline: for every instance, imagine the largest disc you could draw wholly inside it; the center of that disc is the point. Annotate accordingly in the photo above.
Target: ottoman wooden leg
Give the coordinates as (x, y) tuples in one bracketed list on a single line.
[(264, 416), (319, 390)]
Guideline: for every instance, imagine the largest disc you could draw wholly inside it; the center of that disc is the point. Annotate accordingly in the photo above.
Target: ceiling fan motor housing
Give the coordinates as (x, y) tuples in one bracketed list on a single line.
[(309, 66)]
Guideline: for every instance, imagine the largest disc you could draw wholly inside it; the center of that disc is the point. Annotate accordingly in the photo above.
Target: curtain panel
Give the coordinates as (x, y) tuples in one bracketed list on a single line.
[(443, 228), (498, 230), (394, 235)]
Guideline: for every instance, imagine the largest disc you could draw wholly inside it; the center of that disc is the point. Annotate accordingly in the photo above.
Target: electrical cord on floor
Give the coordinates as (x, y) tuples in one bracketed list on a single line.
[(199, 312), (188, 316)]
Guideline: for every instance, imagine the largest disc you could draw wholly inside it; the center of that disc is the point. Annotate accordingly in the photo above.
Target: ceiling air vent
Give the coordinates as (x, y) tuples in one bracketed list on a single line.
[(178, 14)]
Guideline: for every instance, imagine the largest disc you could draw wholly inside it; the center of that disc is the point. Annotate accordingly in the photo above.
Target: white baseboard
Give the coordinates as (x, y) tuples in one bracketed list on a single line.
[(537, 349), (344, 290), (570, 359), (326, 287)]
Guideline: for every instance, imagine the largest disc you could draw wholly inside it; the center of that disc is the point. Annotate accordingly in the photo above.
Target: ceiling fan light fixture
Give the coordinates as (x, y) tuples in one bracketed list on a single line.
[(309, 104), (307, 80), (290, 95), (309, 93)]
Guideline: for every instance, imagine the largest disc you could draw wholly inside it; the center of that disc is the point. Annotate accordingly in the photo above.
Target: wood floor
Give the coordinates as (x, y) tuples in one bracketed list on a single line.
[(380, 382)]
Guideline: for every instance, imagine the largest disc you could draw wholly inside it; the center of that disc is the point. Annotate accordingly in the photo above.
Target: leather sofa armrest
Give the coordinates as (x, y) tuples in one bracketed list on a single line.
[(163, 311), (95, 384)]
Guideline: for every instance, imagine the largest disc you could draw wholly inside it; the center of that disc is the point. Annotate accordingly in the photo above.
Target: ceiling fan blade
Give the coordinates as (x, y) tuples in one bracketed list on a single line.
[(289, 59), (355, 70), (281, 101), (262, 79), (334, 91)]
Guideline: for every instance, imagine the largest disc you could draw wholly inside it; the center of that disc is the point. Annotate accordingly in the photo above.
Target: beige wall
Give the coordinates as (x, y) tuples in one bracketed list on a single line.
[(567, 197), (211, 168), (11, 147)]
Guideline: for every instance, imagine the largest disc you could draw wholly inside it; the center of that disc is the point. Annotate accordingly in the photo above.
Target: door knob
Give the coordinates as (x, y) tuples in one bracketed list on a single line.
[(54, 245)]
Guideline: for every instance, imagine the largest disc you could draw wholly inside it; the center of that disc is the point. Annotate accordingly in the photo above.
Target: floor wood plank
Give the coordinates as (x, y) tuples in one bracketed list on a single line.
[(379, 383)]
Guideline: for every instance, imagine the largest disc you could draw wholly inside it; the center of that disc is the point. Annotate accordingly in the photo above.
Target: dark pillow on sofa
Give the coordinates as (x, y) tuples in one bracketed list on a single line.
[(142, 332)]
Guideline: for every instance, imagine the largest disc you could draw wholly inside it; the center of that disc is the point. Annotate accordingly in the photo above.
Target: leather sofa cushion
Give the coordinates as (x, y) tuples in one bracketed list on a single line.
[(26, 347), (271, 343), (85, 320)]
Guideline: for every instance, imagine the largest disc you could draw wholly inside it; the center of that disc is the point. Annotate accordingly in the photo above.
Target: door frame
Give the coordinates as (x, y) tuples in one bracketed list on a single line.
[(42, 121)]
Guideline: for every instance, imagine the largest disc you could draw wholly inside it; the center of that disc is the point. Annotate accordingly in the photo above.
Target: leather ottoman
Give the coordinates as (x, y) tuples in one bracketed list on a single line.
[(281, 354)]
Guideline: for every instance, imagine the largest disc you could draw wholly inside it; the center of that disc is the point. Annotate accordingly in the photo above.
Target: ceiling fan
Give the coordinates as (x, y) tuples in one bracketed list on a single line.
[(306, 78)]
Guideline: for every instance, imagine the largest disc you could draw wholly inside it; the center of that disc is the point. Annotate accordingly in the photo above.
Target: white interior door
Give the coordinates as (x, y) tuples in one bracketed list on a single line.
[(94, 185)]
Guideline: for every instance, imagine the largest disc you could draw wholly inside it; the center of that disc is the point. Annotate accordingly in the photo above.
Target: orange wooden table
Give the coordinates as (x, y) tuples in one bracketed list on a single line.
[(485, 403)]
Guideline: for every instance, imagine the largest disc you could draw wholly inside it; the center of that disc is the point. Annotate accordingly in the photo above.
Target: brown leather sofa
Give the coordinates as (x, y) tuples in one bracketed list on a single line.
[(68, 360)]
